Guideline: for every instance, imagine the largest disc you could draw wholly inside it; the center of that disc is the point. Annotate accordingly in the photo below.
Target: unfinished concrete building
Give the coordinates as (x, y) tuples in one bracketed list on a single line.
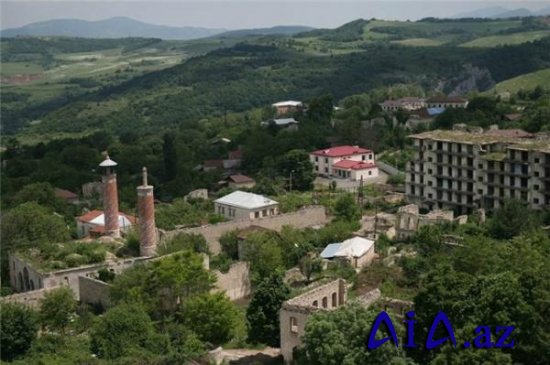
[(464, 170)]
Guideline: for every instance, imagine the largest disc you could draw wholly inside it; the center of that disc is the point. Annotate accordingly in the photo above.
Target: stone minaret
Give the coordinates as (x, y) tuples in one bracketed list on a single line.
[(110, 198), (146, 212)]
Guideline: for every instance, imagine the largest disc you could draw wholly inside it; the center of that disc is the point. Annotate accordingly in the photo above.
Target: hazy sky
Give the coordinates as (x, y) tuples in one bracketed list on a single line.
[(231, 14)]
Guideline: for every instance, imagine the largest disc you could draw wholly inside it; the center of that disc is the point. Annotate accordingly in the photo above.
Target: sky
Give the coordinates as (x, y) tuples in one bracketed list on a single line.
[(231, 14)]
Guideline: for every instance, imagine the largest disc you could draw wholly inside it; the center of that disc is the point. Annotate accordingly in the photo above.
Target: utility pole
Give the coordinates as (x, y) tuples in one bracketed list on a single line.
[(290, 181), (360, 195)]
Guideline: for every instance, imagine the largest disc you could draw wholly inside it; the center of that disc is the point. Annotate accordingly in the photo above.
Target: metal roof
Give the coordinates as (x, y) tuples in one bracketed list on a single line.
[(245, 200), (330, 250), (108, 163)]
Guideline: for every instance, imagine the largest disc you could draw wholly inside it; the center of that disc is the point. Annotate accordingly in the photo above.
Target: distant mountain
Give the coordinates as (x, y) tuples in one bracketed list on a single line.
[(118, 27), (278, 30), (499, 12), (482, 13)]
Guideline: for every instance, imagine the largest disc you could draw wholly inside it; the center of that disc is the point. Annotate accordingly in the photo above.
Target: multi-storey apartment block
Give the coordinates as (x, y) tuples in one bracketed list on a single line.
[(463, 170)]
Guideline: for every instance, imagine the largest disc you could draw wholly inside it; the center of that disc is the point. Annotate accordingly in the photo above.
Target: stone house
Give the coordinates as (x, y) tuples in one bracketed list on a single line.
[(295, 312), (287, 107), (358, 251), (409, 219)]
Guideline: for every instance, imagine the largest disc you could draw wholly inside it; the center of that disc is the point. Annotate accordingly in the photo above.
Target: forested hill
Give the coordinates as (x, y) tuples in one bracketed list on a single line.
[(253, 75)]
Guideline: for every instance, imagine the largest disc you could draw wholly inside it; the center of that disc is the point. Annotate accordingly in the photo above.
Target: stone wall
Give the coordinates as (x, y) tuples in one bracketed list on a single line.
[(236, 282), (306, 217), (30, 299), (94, 292)]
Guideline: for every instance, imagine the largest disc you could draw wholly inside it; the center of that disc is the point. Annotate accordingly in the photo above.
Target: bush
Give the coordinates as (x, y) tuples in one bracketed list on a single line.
[(18, 330)]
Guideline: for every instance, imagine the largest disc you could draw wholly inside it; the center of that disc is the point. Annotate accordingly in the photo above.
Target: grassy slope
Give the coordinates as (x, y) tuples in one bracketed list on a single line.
[(526, 82), (514, 38)]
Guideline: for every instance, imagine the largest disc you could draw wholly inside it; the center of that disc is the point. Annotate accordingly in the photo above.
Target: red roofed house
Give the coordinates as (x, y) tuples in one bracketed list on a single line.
[(345, 162), (66, 195), (240, 181), (93, 223)]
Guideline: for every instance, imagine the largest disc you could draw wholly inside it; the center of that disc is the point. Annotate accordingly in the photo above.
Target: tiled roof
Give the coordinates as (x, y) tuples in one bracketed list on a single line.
[(65, 194), (353, 165), (213, 163), (245, 200), (235, 155), (341, 151), (240, 179)]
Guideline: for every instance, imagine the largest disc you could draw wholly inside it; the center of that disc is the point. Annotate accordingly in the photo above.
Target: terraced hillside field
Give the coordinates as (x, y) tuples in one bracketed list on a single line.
[(507, 39), (524, 82)]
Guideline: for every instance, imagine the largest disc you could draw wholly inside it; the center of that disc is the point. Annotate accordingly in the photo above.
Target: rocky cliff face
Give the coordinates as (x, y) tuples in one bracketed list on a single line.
[(472, 78)]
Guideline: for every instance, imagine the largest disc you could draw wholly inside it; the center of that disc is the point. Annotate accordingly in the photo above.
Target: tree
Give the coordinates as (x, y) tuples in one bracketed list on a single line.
[(18, 330), (320, 110), (263, 252), (295, 165), (29, 224), (120, 331), (162, 286), (213, 317), (230, 244), (185, 241), (56, 308), (339, 337), (310, 265), (41, 193), (262, 314), (512, 219), (346, 209)]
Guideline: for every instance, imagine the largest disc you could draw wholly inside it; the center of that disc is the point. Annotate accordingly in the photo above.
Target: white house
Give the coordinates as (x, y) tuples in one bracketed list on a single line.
[(358, 251), (93, 223), (345, 162), (243, 205)]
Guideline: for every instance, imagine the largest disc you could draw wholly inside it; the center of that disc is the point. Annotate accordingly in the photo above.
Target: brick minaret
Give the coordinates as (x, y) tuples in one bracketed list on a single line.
[(110, 198), (146, 212)]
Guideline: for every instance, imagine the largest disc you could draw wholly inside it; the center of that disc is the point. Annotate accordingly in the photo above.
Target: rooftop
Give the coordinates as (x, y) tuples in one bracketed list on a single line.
[(240, 179), (65, 194), (281, 122), (446, 99), (287, 103), (353, 247), (341, 151), (487, 137), (97, 217), (245, 200), (353, 165)]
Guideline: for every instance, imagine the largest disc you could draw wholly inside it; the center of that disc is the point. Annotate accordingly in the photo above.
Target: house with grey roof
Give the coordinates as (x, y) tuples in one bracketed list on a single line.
[(243, 205)]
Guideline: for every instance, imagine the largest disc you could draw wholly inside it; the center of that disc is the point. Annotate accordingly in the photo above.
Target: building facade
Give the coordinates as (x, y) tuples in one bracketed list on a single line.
[(243, 205), (447, 102), (295, 312), (463, 171), (344, 162)]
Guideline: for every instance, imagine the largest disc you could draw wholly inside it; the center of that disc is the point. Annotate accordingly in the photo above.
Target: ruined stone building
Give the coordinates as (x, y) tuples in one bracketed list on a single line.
[(464, 170), (295, 312), (409, 220)]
